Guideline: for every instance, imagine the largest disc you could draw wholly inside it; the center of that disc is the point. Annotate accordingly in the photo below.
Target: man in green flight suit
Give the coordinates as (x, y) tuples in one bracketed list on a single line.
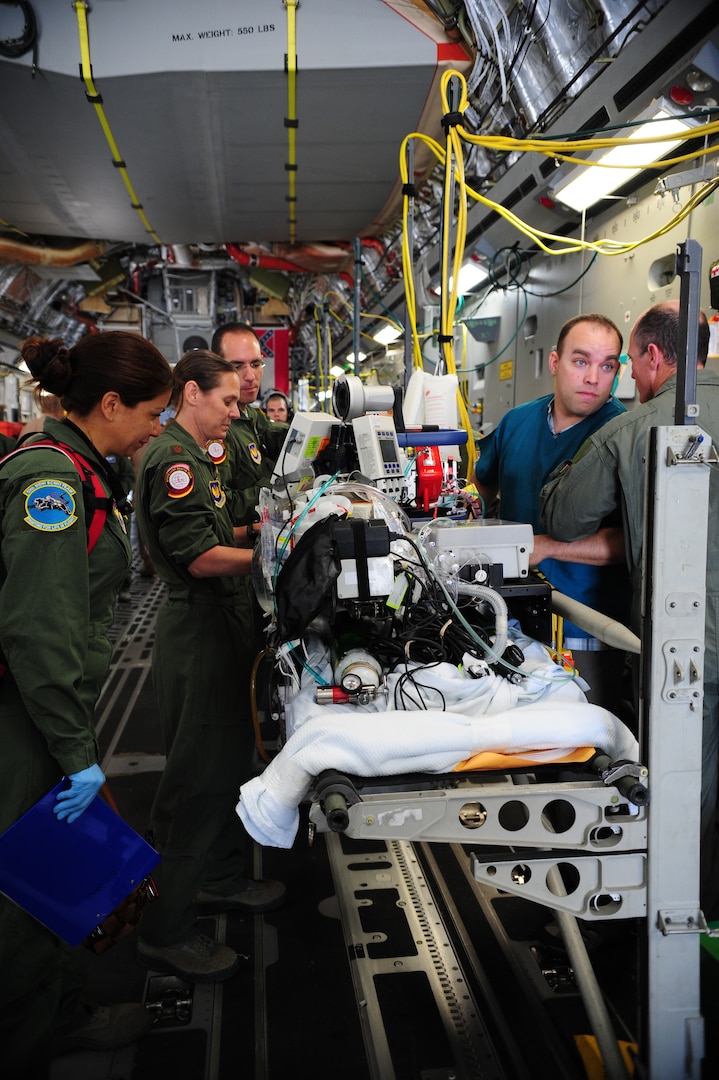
[(251, 449), (253, 442)]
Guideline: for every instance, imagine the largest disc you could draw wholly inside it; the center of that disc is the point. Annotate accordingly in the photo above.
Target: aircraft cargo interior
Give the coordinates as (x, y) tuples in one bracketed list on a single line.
[(359, 582)]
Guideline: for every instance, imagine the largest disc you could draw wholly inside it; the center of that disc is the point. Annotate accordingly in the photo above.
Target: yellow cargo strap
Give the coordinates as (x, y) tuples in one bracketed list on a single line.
[(95, 100), (291, 121)]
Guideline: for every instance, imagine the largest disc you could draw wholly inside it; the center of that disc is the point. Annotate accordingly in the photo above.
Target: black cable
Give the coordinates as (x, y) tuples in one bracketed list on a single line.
[(448, 19), (513, 261), (544, 296), (15, 47), (442, 625), (402, 696)]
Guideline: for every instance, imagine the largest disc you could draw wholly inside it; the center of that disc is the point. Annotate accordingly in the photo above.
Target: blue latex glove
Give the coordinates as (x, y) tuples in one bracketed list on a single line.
[(84, 786)]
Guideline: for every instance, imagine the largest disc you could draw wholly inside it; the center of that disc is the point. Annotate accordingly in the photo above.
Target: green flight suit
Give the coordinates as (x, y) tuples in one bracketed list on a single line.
[(124, 470), (200, 669), (252, 446), (56, 606), (7, 442)]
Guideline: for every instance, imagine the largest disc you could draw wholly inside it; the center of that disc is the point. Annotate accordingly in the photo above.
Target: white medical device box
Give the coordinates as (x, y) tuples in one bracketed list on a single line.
[(485, 542)]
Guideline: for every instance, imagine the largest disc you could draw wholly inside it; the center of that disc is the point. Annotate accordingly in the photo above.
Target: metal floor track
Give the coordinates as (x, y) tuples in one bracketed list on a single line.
[(418, 1014), (117, 710)]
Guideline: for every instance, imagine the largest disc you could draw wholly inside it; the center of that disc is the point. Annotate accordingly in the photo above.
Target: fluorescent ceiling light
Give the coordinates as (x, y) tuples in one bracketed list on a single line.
[(351, 359), (336, 370), (588, 184), (387, 334), (471, 275)]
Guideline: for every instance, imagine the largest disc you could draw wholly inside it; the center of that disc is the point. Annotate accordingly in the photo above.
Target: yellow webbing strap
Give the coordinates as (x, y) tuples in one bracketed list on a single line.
[(95, 100), (291, 121), (558, 633), (592, 1059)]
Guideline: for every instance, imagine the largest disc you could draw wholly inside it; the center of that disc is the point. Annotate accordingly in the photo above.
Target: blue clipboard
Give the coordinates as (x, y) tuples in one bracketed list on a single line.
[(70, 877)]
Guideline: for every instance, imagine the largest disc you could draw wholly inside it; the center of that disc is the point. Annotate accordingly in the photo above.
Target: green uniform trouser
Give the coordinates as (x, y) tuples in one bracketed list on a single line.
[(200, 674), (44, 995)]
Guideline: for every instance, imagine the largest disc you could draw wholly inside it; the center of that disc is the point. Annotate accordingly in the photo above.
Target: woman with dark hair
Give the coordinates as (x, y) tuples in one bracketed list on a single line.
[(200, 668), (62, 560)]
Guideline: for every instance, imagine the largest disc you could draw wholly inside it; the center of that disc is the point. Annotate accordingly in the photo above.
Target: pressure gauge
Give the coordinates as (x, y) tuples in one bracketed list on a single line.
[(351, 683)]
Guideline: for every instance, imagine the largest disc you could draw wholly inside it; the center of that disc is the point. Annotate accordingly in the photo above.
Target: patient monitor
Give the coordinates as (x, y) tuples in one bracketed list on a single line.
[(380, 458), (360, 437), (308, 436)]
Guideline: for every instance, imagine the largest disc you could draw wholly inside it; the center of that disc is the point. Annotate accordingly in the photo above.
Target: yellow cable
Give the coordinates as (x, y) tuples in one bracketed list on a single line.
[(455, 198), (408, 256), (318, 333), (555, 148), (454, 172), (349, 326), (95, 100), (602, 247), (291, 120), (462, 400), (6, 225), (549, 147), (362, 314)]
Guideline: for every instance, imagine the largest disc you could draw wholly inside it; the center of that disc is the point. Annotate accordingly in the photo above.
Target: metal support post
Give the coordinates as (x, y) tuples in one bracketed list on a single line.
[(673, 610), (673, 642), (689, 268), (323, 359)]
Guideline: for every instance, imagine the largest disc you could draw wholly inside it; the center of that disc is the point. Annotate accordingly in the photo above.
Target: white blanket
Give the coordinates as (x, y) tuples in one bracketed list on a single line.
[(547, 712)]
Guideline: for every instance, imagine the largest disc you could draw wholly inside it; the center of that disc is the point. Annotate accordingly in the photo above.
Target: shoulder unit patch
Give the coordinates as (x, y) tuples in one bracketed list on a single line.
[(217, 492), (216, 450), (50, 505), (179, 481)]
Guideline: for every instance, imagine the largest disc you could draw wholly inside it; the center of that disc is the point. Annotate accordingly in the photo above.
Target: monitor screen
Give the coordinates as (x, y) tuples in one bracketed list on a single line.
[(388, 450)]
